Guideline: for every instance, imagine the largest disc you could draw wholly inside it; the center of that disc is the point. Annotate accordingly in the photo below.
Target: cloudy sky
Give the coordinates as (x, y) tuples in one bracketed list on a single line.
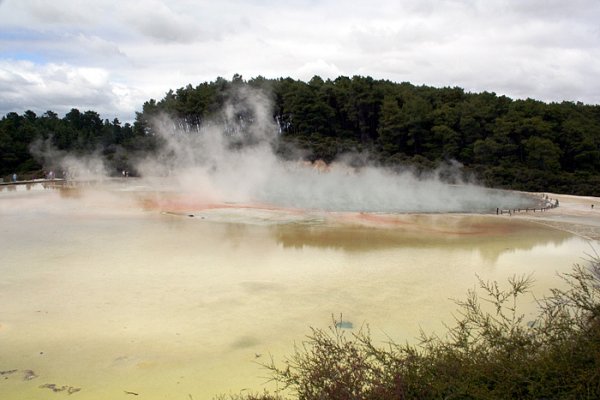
[(112, 55)]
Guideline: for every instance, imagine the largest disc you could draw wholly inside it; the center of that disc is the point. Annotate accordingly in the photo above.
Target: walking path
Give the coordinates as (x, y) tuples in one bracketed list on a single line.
[(575, 214), (29, 182)]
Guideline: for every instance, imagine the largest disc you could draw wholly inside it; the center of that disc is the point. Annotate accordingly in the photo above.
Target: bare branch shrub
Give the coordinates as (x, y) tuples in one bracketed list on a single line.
[(491, 352)]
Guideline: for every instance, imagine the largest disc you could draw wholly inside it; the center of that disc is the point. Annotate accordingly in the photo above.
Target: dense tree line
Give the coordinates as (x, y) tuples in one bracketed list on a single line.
[(77, 133), (518, 144)]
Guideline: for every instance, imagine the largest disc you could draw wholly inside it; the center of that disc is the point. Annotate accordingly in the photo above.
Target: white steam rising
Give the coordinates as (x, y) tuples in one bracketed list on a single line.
[(231, 159), (65, 164)]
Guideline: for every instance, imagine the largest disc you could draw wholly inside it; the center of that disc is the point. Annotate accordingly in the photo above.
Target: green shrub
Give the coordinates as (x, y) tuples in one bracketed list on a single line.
[(491, 352)]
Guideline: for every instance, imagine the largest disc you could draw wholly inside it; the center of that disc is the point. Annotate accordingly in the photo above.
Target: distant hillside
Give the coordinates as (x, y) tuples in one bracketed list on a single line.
[(516, 144)]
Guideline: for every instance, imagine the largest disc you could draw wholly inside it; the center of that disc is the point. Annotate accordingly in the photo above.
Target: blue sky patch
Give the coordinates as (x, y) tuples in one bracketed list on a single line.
[(35, 58)]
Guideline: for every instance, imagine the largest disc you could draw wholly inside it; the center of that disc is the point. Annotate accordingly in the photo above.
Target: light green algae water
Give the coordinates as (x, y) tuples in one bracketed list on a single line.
[(101, 293)]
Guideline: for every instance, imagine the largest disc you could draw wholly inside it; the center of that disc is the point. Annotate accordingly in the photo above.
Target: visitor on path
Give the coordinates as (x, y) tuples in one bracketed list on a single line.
[(14, 177)]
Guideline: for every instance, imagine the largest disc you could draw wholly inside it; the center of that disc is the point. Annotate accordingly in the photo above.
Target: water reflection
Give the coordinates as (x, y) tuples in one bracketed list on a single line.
[(104, 294), (490, 238)]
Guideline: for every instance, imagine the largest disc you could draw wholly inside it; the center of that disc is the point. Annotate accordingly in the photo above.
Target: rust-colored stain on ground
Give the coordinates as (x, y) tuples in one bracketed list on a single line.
[(429, 224)]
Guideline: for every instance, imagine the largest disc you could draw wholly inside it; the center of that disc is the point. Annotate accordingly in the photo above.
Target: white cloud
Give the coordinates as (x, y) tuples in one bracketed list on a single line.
[(544, 49), (319, 67), (159, 22), (60, 87)]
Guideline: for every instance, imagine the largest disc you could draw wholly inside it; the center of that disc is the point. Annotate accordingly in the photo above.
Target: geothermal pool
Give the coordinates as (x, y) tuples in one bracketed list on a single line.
[(106, 292)]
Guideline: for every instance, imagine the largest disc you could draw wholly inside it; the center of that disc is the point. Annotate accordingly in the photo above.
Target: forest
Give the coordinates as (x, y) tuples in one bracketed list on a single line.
[(503, 143)]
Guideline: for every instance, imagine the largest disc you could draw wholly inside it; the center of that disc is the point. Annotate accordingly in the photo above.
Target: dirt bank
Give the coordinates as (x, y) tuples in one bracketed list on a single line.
[(579, 215)]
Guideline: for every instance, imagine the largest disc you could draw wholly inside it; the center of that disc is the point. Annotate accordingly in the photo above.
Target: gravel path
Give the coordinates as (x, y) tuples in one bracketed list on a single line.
[(575, 214)]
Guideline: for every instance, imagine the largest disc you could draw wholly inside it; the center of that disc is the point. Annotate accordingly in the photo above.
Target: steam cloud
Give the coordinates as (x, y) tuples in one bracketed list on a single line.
[(62, 163), (231, 159)]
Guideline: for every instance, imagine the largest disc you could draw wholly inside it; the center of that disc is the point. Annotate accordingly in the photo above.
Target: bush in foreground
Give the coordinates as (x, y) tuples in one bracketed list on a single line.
[(490, 352)]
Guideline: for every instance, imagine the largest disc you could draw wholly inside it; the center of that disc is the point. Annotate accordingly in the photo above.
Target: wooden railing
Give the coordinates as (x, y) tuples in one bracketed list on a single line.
[(548, 204)]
